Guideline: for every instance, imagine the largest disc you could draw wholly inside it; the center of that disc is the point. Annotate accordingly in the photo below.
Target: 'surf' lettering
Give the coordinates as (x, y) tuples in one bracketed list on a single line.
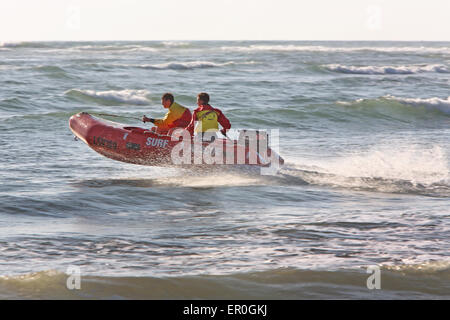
[(155, 142), (99, 141)]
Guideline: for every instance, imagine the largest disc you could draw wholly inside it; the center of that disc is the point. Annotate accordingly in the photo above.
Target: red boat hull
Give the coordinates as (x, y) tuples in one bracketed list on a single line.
[(145, 147)]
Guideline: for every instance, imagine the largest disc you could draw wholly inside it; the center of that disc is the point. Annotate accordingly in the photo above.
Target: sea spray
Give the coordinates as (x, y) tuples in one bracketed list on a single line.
[(386, 168)]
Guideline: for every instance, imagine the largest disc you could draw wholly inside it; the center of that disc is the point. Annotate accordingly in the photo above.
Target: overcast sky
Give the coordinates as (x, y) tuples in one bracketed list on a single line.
[(224, 20)]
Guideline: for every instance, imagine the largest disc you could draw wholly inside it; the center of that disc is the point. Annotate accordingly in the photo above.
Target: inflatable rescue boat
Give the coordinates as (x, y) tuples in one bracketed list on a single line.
[(146, 147)]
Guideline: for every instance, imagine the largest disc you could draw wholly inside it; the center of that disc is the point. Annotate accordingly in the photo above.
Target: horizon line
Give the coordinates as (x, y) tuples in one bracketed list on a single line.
[(193, 40)]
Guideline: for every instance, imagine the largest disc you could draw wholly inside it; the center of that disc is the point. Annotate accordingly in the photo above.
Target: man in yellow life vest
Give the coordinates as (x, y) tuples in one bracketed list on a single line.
[(176, 117), (208, 117)]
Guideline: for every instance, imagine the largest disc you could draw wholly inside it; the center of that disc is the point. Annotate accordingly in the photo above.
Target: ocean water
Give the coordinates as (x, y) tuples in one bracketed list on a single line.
[(364, 129)]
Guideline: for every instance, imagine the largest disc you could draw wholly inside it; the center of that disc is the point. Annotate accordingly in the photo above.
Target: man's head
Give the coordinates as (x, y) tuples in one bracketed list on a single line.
[(167, 100), (202, 98)]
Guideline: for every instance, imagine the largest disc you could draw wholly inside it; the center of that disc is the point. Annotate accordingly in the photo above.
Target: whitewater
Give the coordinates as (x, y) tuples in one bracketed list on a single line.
[(364, 128)]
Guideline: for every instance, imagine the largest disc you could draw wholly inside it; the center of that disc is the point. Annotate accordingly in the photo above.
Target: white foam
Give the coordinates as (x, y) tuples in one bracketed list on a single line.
[(128, 96), (413, 163), (10, 67), (111, 48), (428, 267), (185, 65), (442, 105), (386, 69), (175, 43), (349, 103), (215, 180), (11, 44), (308, 48), (144, 49), (434, 103)]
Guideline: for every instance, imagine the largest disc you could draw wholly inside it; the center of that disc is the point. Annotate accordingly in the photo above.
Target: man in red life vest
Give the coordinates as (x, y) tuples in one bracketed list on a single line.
[(208, 117), (176, 117)]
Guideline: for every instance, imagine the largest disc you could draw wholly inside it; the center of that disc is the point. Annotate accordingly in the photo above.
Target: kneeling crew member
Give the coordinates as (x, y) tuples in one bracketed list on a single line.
[(208, 117), (176, 117)]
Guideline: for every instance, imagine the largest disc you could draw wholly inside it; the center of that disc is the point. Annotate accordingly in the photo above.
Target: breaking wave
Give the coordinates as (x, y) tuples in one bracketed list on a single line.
[(182, 44), (319, 48), (398, 282), (127, 96), (53, 71), (112, 47), (432, 104), (185, 65), (26, 44), (386, 69), (13, 44), (176, 45)]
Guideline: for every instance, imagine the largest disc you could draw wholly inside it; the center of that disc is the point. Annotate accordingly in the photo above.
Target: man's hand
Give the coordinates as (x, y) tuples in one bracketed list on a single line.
[(145, 119), (224, 132)]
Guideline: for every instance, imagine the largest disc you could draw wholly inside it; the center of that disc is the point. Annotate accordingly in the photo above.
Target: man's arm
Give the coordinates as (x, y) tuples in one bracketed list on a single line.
[(223, 121), (166, 121), (191, 125)]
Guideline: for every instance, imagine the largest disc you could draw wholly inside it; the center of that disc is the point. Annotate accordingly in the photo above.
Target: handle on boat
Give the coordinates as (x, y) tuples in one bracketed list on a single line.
[(224, 134), (115, 116)]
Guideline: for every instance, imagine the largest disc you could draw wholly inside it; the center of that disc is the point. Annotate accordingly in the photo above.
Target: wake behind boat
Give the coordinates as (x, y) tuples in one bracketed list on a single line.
[(146, 147)]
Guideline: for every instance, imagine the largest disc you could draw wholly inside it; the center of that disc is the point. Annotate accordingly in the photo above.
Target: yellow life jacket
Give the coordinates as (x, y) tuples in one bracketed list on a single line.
[(207, 121), (174, 113)]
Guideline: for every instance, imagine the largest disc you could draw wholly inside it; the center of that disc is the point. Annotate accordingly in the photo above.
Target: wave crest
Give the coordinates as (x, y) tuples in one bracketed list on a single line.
[(126, 96), (185, 65), (282, 283), (24, 44), (319, 48), (386, 69), (432, 104)]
